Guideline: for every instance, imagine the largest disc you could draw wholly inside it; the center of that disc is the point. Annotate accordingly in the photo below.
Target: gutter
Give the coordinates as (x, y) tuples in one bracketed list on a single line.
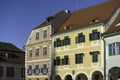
[(104, 57)]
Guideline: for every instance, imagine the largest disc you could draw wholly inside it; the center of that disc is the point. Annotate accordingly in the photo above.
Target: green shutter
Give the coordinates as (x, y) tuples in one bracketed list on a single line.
[(63, 61), (90, 37), (68, 41), (76, 39), (119, 47), (62, 42), (110, 49), (76, 58), (83, 38)]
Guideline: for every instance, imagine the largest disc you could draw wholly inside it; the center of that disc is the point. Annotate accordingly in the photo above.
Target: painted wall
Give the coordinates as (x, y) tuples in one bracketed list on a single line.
[(17, 71), (88, 67)]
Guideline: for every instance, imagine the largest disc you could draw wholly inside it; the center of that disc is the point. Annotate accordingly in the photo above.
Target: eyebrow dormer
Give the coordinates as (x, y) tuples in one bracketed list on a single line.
[(67, 27), (94, 20)]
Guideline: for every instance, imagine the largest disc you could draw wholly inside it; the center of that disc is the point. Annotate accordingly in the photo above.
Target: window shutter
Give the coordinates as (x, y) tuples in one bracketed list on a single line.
[(63, 61), (83, 38), (54, 43), (46, 70), (98, 35), (76, 39), (110, 49), (41, 70), (90, 37), (54, 62), (119, 47), (68, 41), (76, 55), (62, 42)]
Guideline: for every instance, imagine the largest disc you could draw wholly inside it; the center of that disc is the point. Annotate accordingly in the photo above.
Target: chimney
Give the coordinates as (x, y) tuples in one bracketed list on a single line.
[(67, 11)]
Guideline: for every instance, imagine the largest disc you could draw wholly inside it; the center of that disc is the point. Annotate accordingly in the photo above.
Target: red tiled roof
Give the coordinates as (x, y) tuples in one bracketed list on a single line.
[(90, 15)]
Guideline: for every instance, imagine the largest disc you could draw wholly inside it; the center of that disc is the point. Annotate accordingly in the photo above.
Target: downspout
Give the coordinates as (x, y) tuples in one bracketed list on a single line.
[(104, 57)]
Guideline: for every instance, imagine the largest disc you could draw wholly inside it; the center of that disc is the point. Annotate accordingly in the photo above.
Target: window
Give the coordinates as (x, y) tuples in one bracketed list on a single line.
[(1, 71), (45, 34), (23, 72), (37, 36), (45, 51), (66, 40), (10, 72), (66, 60), (114, 48), (36, 70), (58, 42), (95, 35), (79, 58), (94, 56), (37, 52), (57, 61), (29, 71), (30, 53), (80, 38), (44, 70)]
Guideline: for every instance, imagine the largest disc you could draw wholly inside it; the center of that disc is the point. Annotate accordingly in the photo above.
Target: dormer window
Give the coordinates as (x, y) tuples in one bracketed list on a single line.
[(67, 27), (94, 20)]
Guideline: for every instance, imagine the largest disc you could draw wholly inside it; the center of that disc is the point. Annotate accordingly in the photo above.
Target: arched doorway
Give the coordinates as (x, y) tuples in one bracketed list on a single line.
[(68, 77), (57, 77), (81, 77), (114, 73), (97, 75), (46, 79)]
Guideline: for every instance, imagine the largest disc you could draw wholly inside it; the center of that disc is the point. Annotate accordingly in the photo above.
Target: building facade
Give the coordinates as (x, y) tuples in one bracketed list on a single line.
[(38, 48), (78, 46), (11, 62), (112, 47)]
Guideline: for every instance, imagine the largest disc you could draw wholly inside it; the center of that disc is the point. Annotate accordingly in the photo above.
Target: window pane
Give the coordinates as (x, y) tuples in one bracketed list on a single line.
[(57, 60), (95, 57), (10, 72), (30, 53), (45, 33), (22, 72), (37, 35), (37, 52), (45, 51), (1, 71)]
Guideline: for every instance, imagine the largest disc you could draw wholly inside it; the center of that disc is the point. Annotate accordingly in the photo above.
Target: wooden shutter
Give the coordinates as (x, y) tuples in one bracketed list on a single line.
[(110, 49), (90, 37), (76, 39)]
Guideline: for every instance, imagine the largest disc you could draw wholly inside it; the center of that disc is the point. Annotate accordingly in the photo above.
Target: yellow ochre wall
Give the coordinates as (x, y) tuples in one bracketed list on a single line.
[(87, 67)]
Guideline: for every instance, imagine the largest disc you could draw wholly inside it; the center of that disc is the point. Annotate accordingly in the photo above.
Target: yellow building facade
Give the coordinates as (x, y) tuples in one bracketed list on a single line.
[(78, 54), (78, 48)]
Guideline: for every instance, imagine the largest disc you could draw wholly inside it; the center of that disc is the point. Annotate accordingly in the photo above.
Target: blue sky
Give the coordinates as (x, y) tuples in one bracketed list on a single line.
[(19, 17)]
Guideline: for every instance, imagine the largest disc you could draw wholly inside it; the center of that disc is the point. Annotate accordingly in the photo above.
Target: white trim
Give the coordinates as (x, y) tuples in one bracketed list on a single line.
[(94, 71), (70, 49), (67, 74), (36, 76), (38, 60), (80, 72)]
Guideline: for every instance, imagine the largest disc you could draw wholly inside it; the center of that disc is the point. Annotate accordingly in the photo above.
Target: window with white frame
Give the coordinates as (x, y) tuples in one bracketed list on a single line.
[(45, 51), (114, 48), (37, 52), (30, 53), (45, 34), (37, 35)]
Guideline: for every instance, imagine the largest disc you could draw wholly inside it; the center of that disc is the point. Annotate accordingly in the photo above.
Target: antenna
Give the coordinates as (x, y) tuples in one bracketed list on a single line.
[(77, 4)]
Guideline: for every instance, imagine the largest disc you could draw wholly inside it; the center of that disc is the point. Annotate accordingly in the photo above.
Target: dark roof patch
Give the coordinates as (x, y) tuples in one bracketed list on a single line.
[(81, 18)]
